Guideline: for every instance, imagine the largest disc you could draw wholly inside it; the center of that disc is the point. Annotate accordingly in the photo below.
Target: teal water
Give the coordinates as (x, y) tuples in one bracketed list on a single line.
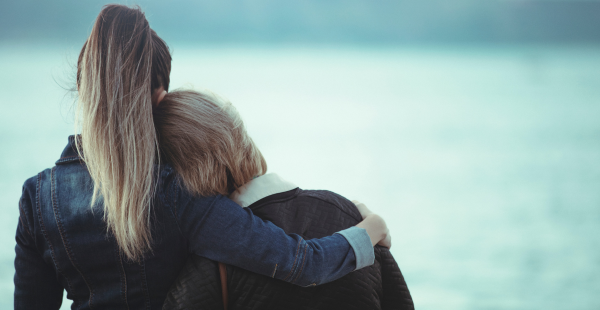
[(484, 160)]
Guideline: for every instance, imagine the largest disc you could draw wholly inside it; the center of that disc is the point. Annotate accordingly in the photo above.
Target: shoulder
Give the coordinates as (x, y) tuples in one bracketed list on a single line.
[(31, 186), (309, 213), (333, 200), (30, 199)]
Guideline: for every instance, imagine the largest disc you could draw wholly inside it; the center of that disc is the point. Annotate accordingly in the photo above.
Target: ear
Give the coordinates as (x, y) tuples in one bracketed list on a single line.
[(161, 96), (158, 95)]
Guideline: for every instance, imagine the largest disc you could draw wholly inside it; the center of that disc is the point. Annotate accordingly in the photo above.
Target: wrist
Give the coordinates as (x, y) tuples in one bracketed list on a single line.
[(375, 227)]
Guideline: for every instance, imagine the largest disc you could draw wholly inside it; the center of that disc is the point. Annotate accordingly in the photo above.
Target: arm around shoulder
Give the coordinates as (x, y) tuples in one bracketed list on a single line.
[(220, 230)]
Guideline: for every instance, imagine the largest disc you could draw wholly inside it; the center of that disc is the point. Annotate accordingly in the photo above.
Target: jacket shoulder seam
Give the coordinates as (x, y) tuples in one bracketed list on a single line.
[(24, 222), (43, 229), (24, 215), (307, 194)]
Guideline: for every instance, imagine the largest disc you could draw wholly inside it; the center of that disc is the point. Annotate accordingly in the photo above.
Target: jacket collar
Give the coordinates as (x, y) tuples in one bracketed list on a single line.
[(69, 154), (259, 188)]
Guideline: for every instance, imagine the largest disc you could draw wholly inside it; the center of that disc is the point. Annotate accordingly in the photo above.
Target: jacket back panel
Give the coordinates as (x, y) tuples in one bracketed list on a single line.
[(311, 214), (76, 246)]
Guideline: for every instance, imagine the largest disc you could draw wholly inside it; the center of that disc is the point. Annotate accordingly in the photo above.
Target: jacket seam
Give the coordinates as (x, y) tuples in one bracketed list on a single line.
[(65, 241), (294, 264), (260, 203), (274, 271), (144, 283), (304, 193), (123, 276), (301, 267), (70, 156), (175, 191), (67, 159), (336, 206), (26, 225), (44, 233)]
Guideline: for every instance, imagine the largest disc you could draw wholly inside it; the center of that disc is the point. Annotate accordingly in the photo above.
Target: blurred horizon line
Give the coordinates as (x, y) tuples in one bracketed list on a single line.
[(313, 22)]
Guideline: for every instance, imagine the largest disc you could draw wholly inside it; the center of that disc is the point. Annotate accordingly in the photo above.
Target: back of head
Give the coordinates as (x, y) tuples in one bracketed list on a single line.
[(203, 137), (121, 63)]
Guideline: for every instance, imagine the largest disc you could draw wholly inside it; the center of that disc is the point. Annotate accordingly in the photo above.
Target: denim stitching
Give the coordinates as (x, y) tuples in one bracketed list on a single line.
[(43, 228), (294, 264), (21, 220), (175, 192), (302, 267), (123, 276), (67, 159), (173, 195), (144, 283), (72, 156), (274, 271), (65, 241)]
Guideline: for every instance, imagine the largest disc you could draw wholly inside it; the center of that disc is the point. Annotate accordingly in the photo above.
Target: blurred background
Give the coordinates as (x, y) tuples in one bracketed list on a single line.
[(472, 126)]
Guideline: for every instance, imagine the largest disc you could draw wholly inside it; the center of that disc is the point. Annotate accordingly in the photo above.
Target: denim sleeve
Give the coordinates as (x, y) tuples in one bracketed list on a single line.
[(361, 244), (219, 229), (36, 285)]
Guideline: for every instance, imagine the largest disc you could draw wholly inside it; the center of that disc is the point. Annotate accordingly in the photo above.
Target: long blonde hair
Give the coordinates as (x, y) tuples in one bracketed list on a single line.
[(204, 138), (121, 63)]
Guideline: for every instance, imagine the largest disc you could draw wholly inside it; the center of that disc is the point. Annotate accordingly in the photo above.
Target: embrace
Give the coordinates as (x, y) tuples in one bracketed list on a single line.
[(163, 202)]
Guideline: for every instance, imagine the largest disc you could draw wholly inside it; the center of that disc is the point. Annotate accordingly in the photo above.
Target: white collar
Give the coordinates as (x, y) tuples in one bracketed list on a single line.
[(259, 188)]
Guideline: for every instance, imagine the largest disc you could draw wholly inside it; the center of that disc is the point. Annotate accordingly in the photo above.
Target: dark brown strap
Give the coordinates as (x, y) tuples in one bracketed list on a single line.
[(223, 272)]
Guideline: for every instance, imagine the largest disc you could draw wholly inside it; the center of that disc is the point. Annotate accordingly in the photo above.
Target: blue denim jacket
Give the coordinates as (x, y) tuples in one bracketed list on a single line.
[(63, 243)]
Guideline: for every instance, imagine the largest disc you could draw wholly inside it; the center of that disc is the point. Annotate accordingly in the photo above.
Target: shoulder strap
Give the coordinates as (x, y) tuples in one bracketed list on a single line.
[(223, 272)]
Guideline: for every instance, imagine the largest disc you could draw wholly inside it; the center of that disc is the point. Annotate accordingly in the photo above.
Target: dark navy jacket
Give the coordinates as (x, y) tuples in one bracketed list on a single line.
[(63, 243), (311, 214)]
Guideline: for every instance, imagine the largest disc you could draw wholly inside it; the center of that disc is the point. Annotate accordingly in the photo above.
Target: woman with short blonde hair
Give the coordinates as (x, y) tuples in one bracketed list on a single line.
[(203, 137)]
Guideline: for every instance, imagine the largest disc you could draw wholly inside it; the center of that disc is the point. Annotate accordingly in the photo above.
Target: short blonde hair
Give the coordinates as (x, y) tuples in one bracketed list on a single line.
[(204, 138)]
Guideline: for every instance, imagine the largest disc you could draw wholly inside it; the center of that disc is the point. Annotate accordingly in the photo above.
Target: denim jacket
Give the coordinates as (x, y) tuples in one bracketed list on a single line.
[(63, 243)]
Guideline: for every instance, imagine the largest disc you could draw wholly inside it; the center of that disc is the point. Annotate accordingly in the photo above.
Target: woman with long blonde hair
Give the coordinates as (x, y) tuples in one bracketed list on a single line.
[(112, 224)]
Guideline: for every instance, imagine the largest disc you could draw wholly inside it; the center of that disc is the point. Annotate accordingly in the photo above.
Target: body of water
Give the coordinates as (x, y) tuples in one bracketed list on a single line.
[(484, 160)]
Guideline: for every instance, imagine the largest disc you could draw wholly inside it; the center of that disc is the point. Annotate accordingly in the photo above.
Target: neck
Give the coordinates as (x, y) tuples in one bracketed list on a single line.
[(259, 188)]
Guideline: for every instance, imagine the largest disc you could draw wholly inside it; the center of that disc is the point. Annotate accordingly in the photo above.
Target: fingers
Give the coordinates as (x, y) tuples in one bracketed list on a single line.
[(387, 241), (362, 208), (381, 227)]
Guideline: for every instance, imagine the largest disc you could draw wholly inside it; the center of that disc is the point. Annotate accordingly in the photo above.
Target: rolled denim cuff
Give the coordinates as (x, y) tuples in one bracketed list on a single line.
[(361, 244)]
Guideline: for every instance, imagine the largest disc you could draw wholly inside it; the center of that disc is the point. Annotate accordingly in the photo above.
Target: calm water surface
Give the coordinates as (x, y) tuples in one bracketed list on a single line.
[(484, 160)]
